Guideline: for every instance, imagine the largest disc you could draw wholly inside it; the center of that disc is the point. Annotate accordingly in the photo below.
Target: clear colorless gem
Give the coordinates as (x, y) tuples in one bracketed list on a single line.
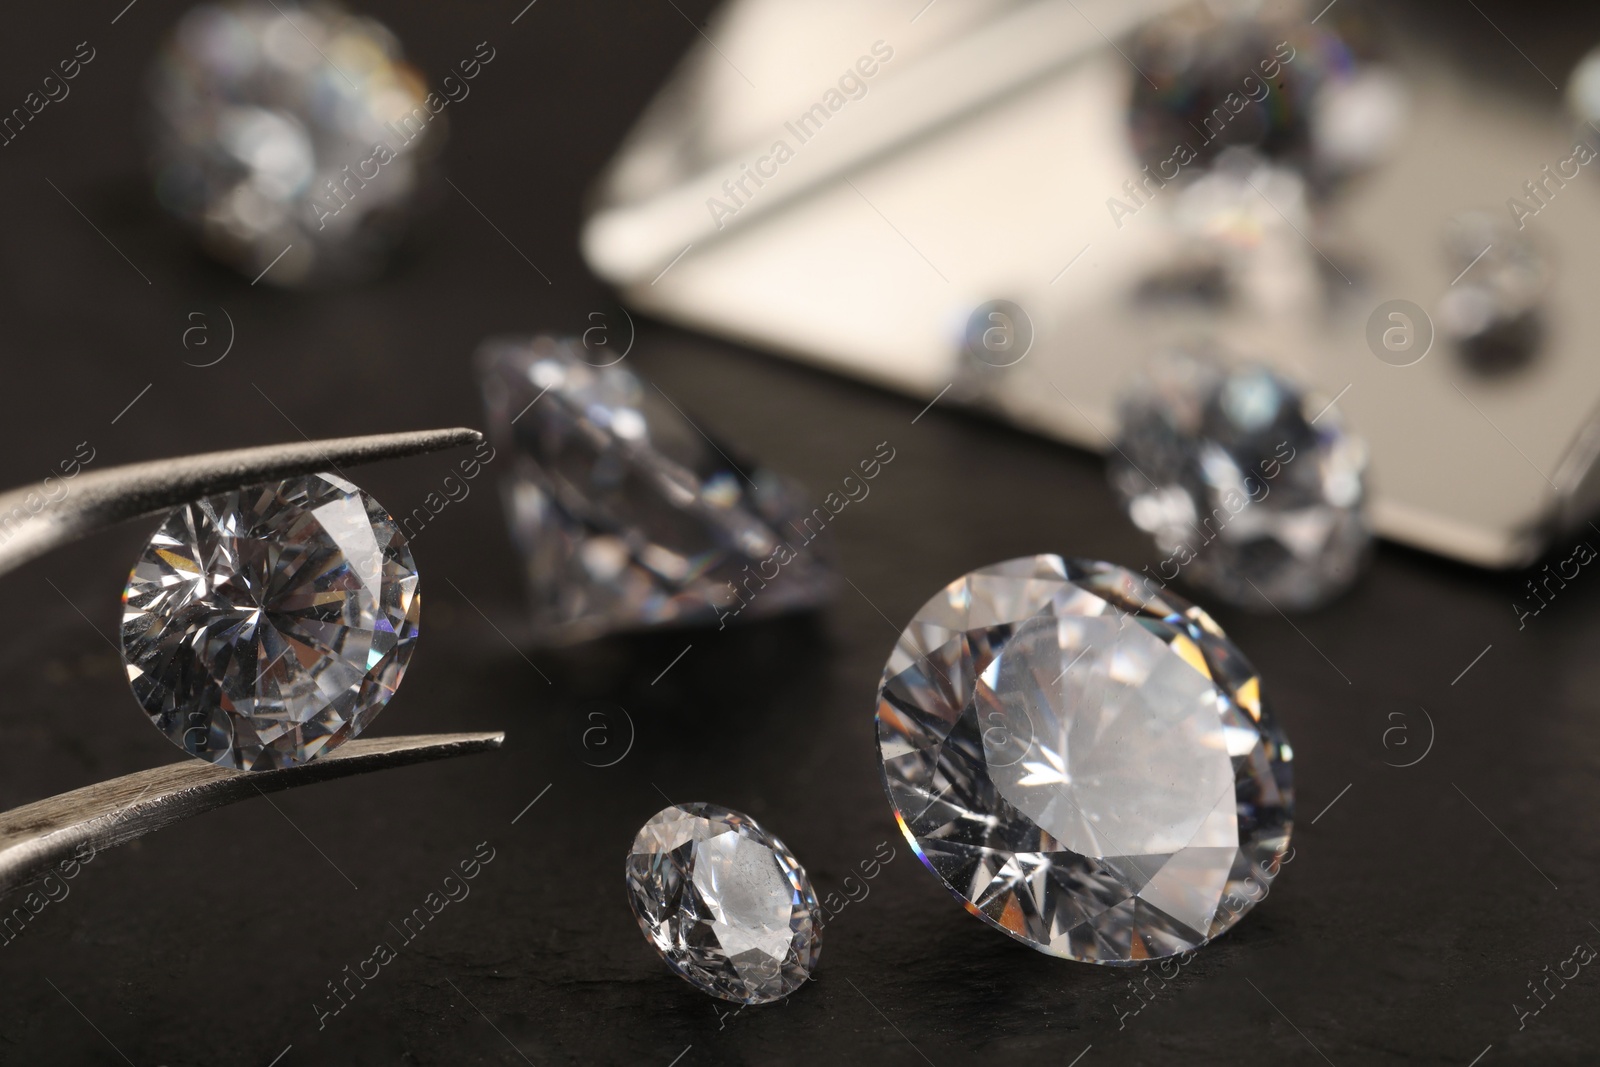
[(626, 514), (1244, 495), (724, 902), (1087, 765), (289, 131), (265, 627)]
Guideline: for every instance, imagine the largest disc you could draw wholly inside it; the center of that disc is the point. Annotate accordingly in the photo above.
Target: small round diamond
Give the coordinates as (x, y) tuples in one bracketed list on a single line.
[(1088, 766), (724, 902), (265, 627)]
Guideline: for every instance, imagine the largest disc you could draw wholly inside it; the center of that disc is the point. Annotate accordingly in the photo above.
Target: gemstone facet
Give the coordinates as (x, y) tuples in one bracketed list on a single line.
[(627, 516), (724, 902), (1246, 496), (1086, 763), (265, 627)]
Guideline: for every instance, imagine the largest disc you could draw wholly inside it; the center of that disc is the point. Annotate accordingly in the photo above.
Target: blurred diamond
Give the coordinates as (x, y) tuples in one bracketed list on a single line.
[(290, 137), (265, 627), (1086, 763), (1244, 495), (724, 902), (1494, 311), (626, 514), (1214, 77)]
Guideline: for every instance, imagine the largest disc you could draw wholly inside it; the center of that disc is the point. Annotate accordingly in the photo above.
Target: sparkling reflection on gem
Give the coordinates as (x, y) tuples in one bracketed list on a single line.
[(265, 627), (724, 902), (1087, 765)]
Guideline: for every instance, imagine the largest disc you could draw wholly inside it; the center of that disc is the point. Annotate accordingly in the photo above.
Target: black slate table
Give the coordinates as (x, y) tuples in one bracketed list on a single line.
[(1420, 904)]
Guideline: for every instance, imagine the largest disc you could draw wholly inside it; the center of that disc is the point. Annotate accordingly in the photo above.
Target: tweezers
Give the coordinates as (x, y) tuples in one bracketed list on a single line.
[(48, 833)]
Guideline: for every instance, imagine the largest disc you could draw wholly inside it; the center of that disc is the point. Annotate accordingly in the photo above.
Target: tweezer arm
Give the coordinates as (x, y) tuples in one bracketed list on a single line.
[(31, 524), (38, 837)]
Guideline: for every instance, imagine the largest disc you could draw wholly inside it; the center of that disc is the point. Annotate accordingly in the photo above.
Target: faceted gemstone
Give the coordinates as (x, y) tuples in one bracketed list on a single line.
[(724, 902), (626, 514), (1244, 494), (289, 137), (1086, 762), (267, 626)]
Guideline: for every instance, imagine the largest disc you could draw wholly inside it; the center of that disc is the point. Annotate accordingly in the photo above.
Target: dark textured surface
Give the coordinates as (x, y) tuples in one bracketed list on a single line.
[(1403, 932)]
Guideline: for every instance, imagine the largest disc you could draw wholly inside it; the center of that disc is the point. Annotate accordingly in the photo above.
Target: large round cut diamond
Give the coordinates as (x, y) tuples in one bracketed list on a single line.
[(724, 902), (265, 627), (1086, 764)]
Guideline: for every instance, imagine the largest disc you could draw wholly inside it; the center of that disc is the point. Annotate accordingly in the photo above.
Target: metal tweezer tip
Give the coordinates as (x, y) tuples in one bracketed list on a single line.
[(96, 499), (38, 837)]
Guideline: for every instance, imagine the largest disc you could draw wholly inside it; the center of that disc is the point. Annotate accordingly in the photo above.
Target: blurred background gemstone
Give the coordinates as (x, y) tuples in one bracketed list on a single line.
[(290, 137), (1248, 494), (1494, 310), (626, 514), (1262, 77)]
